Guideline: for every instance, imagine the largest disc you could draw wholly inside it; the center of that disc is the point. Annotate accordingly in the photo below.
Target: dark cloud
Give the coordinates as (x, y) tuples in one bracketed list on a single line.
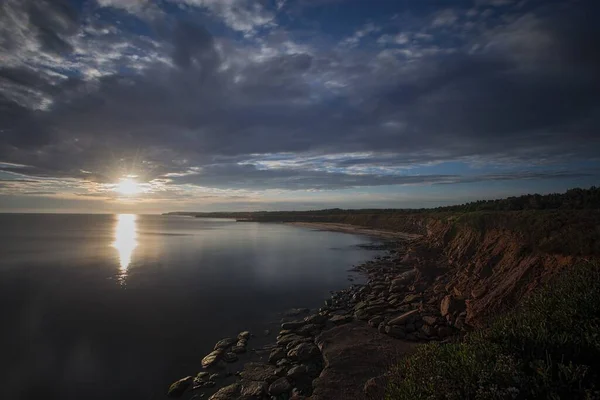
[(180, 97)]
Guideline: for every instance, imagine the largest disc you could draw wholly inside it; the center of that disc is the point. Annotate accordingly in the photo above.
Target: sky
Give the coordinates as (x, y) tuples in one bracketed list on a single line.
[(211, 105)]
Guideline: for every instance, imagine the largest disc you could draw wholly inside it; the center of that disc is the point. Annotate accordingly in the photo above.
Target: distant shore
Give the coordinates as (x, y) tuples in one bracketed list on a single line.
[(357, 230)]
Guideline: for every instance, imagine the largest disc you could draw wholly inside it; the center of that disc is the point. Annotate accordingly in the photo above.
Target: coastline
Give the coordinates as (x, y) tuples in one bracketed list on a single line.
[(343, 349), (356, 230)]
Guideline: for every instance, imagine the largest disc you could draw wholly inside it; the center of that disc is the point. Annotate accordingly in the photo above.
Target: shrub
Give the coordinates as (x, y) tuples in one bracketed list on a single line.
[(548, 348)]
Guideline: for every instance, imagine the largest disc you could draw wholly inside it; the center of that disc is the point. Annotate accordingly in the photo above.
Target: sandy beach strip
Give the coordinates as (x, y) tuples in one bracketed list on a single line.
[(356, 230)]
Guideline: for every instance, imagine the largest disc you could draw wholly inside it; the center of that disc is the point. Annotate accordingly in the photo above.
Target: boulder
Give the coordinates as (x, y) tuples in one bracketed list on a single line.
[(237, 349), (309, 330), (297, 372), (294, 312), (225, 343), (449, 305), (353, 353), (316, 319), (395, 331), (430, 320), (258, 372), (211, 358), (253, 389), (375, 321), (340, 319), (230, 392), (177, 389), (280, 386), (283, 340), (245, 335), (230, 357), (276, 355), (292, 325), (304, 352), (404, 318)]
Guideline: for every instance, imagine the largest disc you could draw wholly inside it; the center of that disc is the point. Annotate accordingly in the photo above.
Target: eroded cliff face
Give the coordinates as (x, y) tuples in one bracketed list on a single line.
[(484, 269)]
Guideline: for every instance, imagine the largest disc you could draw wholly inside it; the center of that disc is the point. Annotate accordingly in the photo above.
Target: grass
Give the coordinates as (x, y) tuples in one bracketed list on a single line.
[(548, 348)]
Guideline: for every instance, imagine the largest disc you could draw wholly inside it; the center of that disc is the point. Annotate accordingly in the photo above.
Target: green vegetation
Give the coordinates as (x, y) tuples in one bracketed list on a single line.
[(548, 348)]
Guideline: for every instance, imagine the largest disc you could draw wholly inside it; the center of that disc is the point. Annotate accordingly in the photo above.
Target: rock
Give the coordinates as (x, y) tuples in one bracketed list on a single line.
[(297, 372), (411, 298), (404, 318), (303, 352), (430, 320), (211, 358), (280, 386), (429, 330), (309, 330), (316, 319), (352, 354), (409, 328), (340, 319), (201, 376), (177, 389), (449, 305), (375, 321), (253, 390), (245, 335), (295, 343), (230, 392), (412, 337), (362, 314), (225, 343), (258, 372), (283, 362), (292, 325), (283, 340), (276, 355), (381, 327), (403, 278), (328, 302), (237, 349), (395, 331)]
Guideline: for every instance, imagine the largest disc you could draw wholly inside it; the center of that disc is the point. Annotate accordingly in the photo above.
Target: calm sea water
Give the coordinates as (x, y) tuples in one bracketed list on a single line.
[(119, 306)]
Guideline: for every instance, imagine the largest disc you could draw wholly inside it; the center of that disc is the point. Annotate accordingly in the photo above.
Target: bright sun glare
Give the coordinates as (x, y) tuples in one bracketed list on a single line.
[(128, 187)]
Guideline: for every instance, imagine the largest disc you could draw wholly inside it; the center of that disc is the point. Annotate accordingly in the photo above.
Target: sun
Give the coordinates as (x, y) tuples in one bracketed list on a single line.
[(128, 187)]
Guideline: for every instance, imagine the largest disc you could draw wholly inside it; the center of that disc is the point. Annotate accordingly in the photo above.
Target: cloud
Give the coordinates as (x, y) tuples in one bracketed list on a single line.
[(86, 99)]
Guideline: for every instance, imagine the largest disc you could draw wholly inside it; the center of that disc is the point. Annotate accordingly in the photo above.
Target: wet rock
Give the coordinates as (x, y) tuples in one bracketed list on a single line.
[(237, 349), (201, 376), (430, 320), (225, 343), (295, 343), (253, 390), (230, 357), (292, 325), (362, 315), (303, 352), (283, 362), (316, 319), (177, 389), (309, 330), (449, 305), (340, 319), (230, 392), (280, 386), (211, 358), (375, 321), (258, 372), (245, 335), (284, 340), (297, 372), (276, 355), (395, 331), (404, 318), (281, 371)]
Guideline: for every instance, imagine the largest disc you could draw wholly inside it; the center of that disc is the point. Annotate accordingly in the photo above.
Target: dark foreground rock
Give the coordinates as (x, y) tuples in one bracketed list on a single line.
[(353, 354)]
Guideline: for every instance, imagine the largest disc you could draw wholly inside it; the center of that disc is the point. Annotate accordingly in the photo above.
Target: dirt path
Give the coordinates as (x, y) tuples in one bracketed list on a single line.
[(357, 230)]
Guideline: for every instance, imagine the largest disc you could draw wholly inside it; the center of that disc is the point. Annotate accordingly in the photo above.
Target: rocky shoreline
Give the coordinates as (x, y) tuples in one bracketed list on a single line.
[(400, 305)]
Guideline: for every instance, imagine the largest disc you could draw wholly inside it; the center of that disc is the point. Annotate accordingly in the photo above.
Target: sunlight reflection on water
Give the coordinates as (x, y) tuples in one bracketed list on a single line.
[(125, 241)]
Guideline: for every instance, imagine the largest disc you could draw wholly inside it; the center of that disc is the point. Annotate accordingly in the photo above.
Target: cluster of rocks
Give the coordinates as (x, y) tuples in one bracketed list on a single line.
[(398, 300), (225, 351)]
